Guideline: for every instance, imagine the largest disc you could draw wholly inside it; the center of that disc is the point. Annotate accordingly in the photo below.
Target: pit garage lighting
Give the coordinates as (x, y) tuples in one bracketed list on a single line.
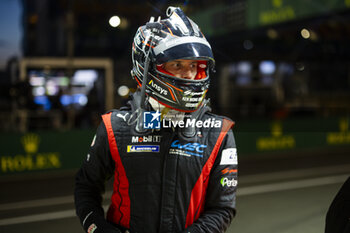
[(114, 21), (272, 33), (305, 33), (244, 68), (267, 67), (123, 90)]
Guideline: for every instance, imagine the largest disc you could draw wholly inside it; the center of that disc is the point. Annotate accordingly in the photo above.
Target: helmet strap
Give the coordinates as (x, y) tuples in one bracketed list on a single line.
[(139, 125), (155, 28)]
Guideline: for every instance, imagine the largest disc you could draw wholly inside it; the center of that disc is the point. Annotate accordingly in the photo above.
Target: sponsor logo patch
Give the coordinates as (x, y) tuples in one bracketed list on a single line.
[(149, 138), (161, 90), (184, 153), (187, 149), (122, 116), (228, 171), (229, 156), (227, 182), (143, 148), (92, 228)]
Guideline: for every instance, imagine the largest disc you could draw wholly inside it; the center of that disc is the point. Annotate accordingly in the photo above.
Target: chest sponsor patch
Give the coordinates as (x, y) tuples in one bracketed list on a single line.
[(149, 138), (188, 149), (184, 153), (143, 148), (229, 156)]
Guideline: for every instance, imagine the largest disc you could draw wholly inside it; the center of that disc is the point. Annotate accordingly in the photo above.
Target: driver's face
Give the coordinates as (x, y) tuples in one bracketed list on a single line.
[(181, 68)]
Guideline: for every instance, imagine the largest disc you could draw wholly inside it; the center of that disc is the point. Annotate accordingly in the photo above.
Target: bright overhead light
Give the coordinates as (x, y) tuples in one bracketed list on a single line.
[(305, 33), (114, 21), (272, 33), (267, 67), (123, 90)]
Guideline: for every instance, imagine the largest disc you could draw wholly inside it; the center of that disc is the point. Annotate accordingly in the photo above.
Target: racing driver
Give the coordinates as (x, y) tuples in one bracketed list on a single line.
[(174, 163)]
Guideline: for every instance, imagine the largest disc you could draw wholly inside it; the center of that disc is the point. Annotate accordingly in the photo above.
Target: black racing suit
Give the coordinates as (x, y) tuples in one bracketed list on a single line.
[(163, 182)]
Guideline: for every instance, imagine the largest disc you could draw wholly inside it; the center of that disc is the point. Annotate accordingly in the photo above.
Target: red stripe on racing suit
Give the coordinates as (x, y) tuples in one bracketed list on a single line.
[(119, 210), (197, 202)]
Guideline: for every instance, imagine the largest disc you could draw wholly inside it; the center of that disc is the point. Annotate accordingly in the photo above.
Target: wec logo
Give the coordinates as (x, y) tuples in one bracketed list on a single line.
[(196, 147)]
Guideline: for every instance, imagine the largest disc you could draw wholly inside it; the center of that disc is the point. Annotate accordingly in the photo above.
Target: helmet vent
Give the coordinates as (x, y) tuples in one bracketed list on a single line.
[(170, 11)]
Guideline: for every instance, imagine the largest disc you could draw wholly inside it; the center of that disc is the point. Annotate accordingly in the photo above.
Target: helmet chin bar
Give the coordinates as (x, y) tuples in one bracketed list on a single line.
[(155, 28)]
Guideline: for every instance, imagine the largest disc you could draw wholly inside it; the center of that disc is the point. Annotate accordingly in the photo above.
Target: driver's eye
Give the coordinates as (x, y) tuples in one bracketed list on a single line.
[(177, 65), (193, 65)]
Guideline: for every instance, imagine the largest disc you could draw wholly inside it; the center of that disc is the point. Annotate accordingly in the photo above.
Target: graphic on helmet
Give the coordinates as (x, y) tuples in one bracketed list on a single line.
[(176, 38)]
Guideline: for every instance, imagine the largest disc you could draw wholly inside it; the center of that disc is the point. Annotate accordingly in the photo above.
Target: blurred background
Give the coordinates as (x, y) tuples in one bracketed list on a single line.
[(282, 74)]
